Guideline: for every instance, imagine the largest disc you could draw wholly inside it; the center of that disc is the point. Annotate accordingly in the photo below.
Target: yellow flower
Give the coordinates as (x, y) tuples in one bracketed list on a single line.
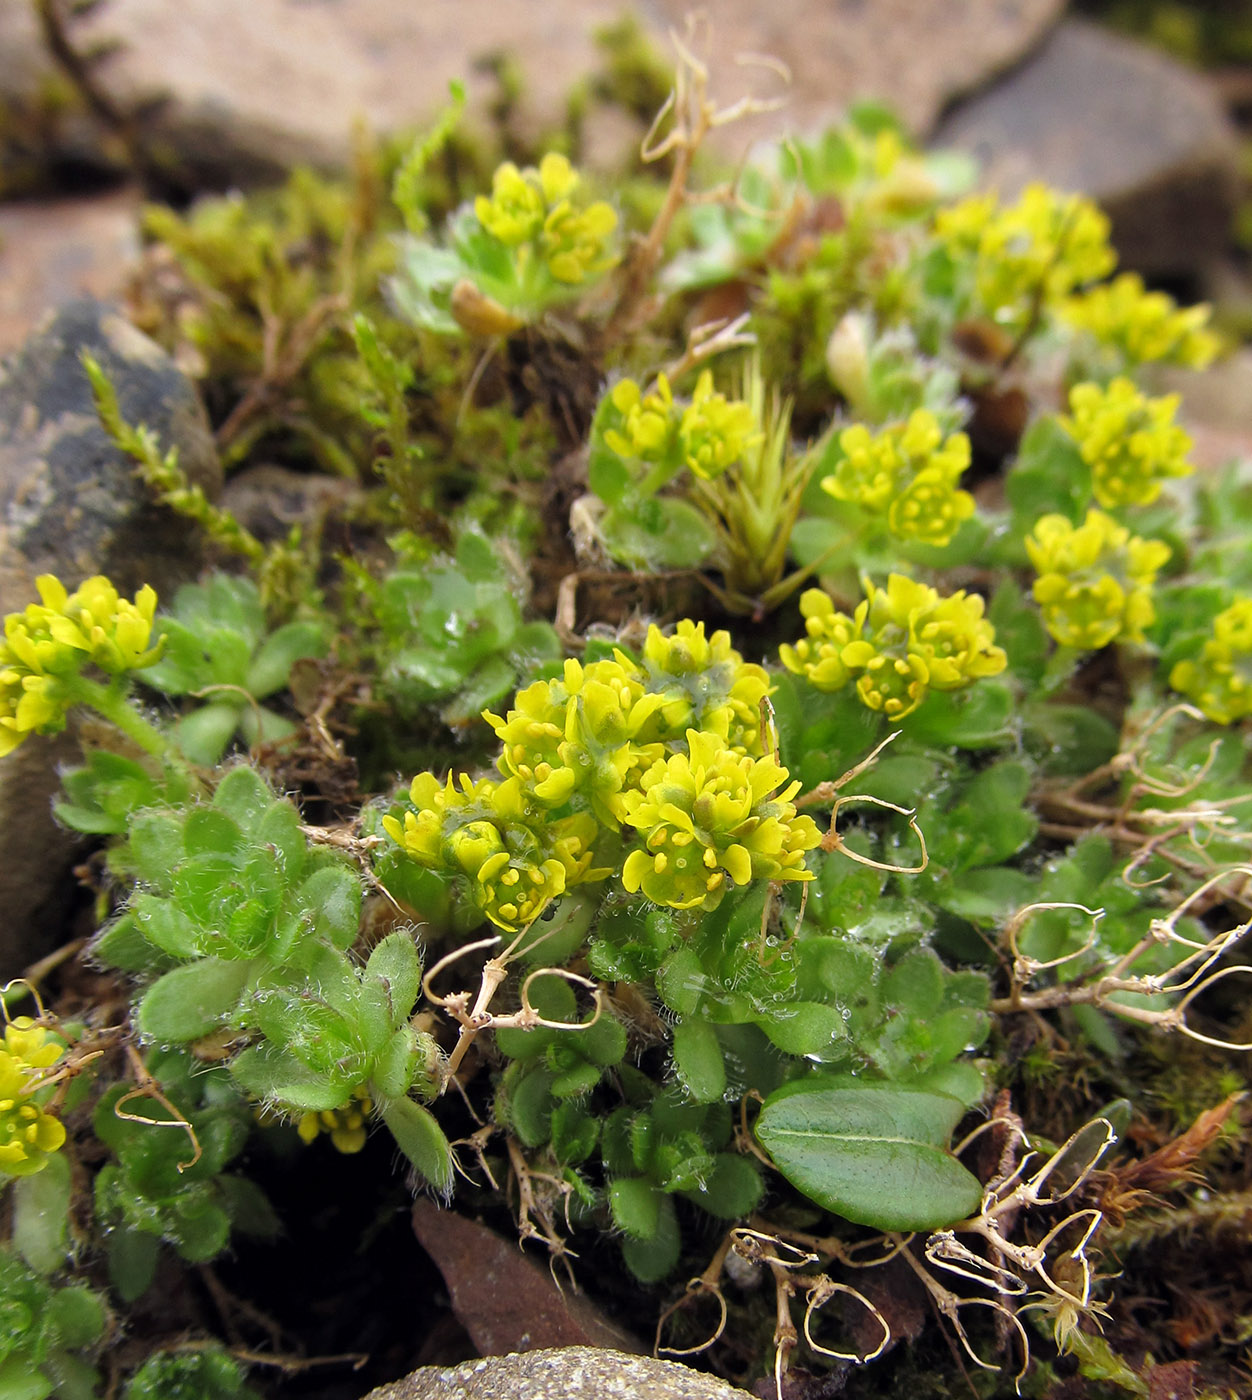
[(702, 683), (347, 1126), (819, 656), (715, 431), (1037, 250), (1095, 579), (514, 213), (513, 858), (577, 734), (709, 819), (1130, 441), (28, 1135), (909, 472), (902, 642), (535, 208), (1144, 326), (1219, 681), (113, 632), (48, 643), (649, 424)]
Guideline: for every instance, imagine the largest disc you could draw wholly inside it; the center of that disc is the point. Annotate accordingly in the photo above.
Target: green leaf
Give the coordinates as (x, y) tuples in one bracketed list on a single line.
[(78, 1316), (41, 1212), (333, 894), (201, 1232), (1048, 476), (652, 1259), (154, 847), (396, 965), (396, 1064), (19, 1382), (876, 1155), (662, 533), (243, 795), (193, 1000), (733, 1189), (271, 666), (804, 1027), (123, 946), (635, 1205), (421, 1140), (132, 1260), (699, 1061), (203, 735), (526, 1102), (279, 1077)]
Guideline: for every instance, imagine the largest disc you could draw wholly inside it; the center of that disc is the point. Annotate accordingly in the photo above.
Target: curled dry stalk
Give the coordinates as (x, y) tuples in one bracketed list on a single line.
[(540, 1197), (679, 130), (1009, 1260), (831, 794), (1195, 972), (477, 1016), (785, 1258), (1071, 810)]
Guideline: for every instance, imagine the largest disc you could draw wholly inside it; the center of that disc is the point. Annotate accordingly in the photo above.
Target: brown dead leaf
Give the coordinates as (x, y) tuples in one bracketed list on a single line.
[(504, 1300), (1127, 1188)]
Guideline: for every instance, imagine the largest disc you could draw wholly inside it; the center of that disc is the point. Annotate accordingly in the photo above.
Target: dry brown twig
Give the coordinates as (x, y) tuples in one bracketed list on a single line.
[(476, 1016), (691, 115)]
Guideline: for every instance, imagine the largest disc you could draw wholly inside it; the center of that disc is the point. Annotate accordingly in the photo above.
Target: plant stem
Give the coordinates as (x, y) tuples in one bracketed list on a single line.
[(113, 705)]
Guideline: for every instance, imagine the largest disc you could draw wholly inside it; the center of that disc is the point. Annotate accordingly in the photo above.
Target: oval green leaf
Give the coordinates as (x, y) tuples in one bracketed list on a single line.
[(877, 1155)]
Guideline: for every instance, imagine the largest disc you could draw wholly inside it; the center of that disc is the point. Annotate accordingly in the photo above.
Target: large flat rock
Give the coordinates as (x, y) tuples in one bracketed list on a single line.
[(70, 505), (567, 1373), (238, 90), (55, 250), (1115, 119)]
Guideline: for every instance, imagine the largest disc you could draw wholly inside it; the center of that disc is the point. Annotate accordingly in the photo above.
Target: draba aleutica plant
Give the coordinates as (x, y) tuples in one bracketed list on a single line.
[(787, 809)]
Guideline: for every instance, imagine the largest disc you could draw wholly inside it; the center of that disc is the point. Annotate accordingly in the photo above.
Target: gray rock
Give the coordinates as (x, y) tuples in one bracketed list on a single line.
[(70, 505), (268, 499), (54, 251), (1216, 407), (1105, 115), (565, 1373), (239, 90)]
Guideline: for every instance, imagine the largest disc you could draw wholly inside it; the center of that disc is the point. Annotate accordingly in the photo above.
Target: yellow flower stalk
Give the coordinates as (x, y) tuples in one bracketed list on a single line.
[(710, 819), (1030, 253), (1130, 441), (1219, 680), (901, 642), (533, 211), (907, 472), (513, 859), (1143, 326), (47, 644), (1095, 579), (28, 1135)]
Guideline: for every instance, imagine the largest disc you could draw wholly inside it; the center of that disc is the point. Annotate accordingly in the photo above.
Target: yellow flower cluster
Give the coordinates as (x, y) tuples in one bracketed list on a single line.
[(1220, 679), (1095, 579), (585, 759), (28, 1135), (534, 211), (1036, 251), (514, 856), (47, 644), (706, 436), (709, 819), (1130, 441), (900, 643), (1143, 326), (908, 473), (347, 1126)]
